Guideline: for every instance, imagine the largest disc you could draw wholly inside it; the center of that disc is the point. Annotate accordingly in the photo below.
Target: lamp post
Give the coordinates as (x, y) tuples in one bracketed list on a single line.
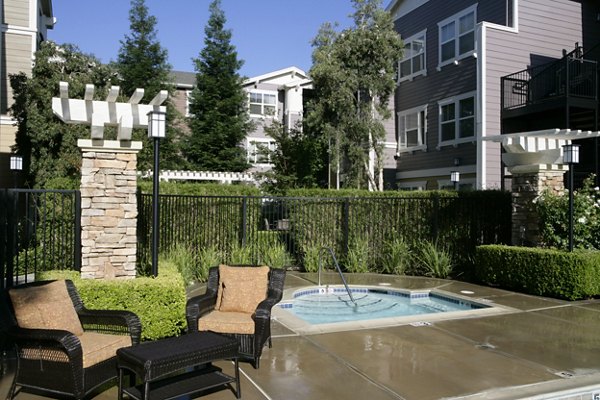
[(16, 165), (156, 130), (455, 178), (571, 157)]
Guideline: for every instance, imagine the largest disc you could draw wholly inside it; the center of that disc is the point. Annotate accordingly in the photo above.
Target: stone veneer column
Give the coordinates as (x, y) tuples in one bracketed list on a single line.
[(526, 187), (108, 208)]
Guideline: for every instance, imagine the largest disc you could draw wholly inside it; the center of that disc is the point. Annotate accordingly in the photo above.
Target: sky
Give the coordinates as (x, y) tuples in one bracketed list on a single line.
[(268, 34)]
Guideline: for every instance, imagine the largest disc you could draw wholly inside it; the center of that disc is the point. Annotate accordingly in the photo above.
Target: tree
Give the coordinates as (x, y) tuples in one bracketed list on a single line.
[(353, 77), (297, 159), (219, 120), (143, 63), (49, 146)]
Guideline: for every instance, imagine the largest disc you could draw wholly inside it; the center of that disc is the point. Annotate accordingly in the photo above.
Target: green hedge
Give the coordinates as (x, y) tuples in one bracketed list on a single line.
[(159, 302), (540, 272)]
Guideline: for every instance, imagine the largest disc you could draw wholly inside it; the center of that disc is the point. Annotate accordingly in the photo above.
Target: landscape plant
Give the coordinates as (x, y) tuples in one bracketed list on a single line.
[(357, 259), (396, 257), (433, 260)]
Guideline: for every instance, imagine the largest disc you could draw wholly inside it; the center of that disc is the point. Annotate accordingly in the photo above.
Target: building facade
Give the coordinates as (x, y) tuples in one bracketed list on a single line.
[(448, 97), (23, 27)]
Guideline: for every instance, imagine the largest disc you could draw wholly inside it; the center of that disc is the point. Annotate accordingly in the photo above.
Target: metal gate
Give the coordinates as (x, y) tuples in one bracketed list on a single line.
[(39, 230)]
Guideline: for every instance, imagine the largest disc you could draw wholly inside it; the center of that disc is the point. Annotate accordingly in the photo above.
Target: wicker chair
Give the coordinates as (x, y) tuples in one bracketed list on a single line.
[(210, 303), (56, 361)]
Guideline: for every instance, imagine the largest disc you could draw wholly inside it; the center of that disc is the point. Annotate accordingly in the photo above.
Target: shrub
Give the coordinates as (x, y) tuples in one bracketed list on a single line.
[(159, 302), (274, 255), (433, 260), (554, 217), (358, 256), (396, 257), (541, 272), (311, 258)]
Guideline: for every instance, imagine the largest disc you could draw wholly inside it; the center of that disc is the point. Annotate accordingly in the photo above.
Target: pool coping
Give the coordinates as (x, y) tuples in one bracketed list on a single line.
[(301, 327)]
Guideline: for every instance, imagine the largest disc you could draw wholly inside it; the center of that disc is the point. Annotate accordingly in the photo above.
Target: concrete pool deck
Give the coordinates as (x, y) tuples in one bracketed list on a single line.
[(543, 349)]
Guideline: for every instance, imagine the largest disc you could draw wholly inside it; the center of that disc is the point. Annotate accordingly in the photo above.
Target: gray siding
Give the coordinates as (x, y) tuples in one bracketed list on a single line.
[(16, 12), (16, 58), (451, 81)]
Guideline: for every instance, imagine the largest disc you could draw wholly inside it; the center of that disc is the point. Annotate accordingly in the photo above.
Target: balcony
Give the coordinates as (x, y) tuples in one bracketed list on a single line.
[(568, 82)]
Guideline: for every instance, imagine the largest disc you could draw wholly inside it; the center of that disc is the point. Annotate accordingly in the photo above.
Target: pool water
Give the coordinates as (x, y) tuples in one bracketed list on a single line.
[(330, 305)]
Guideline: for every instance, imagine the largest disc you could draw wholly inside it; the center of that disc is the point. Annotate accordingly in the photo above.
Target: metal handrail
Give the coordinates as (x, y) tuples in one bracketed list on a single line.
[(337, 266)]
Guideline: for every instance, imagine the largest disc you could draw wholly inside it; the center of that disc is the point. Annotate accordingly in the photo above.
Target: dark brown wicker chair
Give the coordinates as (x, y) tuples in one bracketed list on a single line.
[(251, 345), (52, 361)]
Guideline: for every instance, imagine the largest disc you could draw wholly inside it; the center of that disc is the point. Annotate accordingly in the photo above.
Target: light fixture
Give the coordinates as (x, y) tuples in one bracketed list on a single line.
[(156, 124), (16, 163), (455, 178), (571, 157), (156, 130)]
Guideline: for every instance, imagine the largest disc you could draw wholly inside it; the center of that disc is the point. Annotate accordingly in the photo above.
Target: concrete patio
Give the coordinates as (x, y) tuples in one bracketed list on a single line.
[(542, 349)]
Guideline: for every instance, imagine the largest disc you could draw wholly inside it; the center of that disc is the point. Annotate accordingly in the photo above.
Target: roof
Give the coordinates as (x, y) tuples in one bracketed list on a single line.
[(183, 79), (295, 72)]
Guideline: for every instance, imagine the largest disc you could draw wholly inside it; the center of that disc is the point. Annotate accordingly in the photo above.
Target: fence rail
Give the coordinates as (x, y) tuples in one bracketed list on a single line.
[(301, 226), (39, 230)]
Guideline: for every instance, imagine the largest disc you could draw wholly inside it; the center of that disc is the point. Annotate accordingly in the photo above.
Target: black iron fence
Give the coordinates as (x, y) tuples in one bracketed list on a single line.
[(301, 226), (572, 76), (39, 230)]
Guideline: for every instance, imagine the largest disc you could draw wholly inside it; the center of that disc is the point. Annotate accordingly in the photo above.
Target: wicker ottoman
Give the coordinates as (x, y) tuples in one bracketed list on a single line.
[(178, 366)]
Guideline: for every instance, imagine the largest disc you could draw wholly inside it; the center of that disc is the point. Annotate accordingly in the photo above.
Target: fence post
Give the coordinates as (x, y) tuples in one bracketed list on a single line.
[(436, 215), (3, 236), (244, 219), (346, 225), (11, 244), (77, 233)]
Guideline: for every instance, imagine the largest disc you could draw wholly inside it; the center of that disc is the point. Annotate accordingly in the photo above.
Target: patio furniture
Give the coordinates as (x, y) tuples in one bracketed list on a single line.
[(178, 366), (238, 302), (62, 348)]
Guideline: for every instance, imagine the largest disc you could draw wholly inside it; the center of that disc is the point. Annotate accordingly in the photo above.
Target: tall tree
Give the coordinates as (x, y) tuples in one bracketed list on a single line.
[(143, 63), (353, 77), (49, 147), (219, 120)]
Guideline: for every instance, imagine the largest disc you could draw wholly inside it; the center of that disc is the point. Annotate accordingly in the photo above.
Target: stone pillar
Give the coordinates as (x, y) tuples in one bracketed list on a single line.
[(108, 208), (526, 187)]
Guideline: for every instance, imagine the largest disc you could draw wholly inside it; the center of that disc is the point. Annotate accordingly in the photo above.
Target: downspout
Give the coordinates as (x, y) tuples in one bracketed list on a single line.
[(481, 168)]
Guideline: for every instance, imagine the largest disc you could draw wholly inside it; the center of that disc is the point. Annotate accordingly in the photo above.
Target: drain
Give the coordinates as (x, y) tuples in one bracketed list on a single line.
[(420, 323), (564, 374)]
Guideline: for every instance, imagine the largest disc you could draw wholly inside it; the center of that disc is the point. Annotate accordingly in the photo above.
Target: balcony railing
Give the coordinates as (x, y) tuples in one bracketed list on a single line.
[(571, 76)]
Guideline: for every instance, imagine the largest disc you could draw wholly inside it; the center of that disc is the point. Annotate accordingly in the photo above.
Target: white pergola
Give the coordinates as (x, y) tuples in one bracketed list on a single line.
[(98, 114), (527, 152)]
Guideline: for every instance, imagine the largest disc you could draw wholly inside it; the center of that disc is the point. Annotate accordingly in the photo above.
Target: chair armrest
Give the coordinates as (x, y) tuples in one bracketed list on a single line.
[(49, 339), (263, 310), (198, 306), (116, 322)]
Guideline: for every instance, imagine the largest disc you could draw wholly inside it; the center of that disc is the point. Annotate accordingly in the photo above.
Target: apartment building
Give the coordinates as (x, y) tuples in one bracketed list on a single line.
[(448, 97), (23, 27)]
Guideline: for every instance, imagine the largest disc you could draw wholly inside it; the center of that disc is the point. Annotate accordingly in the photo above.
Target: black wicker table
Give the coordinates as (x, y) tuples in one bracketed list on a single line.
[(178, 366)]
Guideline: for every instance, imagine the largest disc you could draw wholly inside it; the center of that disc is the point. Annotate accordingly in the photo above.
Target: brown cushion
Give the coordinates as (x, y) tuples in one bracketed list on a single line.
[(227, 322), (45, 307), (242, 288), (98, 347)]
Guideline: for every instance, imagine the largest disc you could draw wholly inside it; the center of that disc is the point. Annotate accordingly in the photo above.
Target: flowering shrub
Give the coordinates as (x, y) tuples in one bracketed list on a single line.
[(554, 217)]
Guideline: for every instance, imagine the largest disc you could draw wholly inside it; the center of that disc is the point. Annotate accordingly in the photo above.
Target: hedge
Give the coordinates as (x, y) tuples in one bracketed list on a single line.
[(159, 302), (541, 272)]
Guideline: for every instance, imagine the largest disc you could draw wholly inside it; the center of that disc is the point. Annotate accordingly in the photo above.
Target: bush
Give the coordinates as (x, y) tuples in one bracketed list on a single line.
[(357, 260), (554, 217), (541, 272), (396, 258), (159, 302), (433, 261)]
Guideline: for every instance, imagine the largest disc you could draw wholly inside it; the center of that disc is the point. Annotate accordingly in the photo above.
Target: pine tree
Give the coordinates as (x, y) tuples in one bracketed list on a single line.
[(219, 120), (143, 63)]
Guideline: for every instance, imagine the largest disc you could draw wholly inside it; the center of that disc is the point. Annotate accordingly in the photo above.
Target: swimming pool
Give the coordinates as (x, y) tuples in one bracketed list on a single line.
[(328, 309)]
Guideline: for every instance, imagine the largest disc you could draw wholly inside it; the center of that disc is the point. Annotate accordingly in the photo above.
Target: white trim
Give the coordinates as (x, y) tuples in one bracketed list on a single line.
[(422, 71), (270, 75), (455, 18), (455, 100), (263, 92), (421, 128), (481, 119), (432, 172), (188, 95)]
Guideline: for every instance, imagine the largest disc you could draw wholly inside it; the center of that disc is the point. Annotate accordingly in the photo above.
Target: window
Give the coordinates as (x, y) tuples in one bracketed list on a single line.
[(412, 128), (457, 119), (457, 36), (413, 61), (263, 103), (258, 151)]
